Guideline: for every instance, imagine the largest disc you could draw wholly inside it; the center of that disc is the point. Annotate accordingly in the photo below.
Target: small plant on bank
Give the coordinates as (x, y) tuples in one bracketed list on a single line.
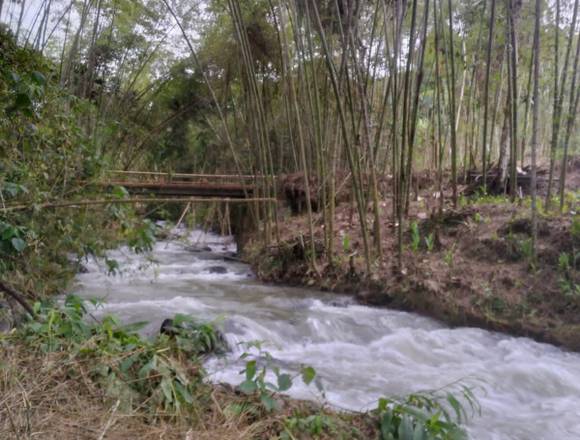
[(346, 244), (415, 236), (428, 416), (430, 242), (314, 425), (526, 249), (568, 286), (575, 228), (449, 256), (256, 383)]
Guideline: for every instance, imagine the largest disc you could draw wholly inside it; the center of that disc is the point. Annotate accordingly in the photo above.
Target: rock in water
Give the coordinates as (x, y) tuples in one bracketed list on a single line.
[(167, 328), (203, 338), (217, 269)]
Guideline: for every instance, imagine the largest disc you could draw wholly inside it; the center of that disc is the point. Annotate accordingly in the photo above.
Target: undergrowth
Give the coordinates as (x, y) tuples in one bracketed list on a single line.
[(64, 355)]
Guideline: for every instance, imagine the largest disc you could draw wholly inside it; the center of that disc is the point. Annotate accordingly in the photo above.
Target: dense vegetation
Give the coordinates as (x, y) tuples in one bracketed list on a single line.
[(362, 93), (396, 127)]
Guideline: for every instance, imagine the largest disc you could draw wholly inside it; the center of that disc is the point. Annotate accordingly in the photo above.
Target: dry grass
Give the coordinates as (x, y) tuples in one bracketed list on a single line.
[(50, 396)]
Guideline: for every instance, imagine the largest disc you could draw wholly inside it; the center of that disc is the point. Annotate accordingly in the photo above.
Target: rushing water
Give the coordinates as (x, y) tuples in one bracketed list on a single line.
[(527, 390)]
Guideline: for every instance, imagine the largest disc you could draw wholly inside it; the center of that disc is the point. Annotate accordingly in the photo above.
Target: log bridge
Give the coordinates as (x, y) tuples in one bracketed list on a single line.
[(222, 186), (238, 190)]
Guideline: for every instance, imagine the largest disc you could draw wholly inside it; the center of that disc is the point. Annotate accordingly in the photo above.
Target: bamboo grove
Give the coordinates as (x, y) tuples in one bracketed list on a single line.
[(354, 92)]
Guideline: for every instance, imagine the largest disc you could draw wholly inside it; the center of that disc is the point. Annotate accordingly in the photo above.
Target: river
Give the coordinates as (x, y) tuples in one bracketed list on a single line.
[(526, 390)]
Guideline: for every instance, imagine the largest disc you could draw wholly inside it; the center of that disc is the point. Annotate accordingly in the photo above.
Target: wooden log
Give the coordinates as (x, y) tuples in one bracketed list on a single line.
[(84, 203), (18, 297)]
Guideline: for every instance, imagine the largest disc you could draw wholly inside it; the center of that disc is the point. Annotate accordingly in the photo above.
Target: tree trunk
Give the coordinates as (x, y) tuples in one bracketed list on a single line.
[(486, 94), (503, 148), (536, 111), (558, 101), (572, 114), (452, 108)]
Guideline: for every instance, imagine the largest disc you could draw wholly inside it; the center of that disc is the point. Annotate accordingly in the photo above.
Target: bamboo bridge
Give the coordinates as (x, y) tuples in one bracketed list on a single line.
[(235, 190), (212, 186)]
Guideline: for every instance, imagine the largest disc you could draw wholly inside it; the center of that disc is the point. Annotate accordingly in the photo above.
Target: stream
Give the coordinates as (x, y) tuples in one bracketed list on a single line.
[(526, 390)]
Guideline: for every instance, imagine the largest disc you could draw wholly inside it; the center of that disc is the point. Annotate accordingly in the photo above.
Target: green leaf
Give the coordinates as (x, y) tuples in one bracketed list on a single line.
[(419, 433), (38, 78), (148, 367), (250, 369), (22, 101), (248, 387), (127, 364), (183, 392), (456, 406), (134, 327), (406, 428), (119, 192), (308, 375), (284, 382), (268, 401), (167, 390), (18, 244), (387, 426)]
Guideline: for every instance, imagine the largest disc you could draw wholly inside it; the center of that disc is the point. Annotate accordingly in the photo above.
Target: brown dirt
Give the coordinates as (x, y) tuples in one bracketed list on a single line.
[(478, 272)]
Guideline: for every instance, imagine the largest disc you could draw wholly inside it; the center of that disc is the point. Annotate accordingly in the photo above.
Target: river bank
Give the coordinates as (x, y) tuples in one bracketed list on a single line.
[(469, 267)]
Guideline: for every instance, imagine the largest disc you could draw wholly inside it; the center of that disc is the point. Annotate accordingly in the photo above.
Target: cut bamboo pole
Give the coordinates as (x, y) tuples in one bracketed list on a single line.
[(72, 204)]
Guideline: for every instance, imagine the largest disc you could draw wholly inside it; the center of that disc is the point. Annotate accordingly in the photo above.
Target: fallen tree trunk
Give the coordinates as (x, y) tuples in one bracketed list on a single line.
[(18, 297)]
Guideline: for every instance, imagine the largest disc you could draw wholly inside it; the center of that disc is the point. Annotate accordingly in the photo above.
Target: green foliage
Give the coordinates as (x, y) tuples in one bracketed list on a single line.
[(346, 243), (526, 249), (256, 382), (564, 262), (314, 425), (12, 239), (568, 275), (196, 337), (141, 237), (415, 236), (482, 198), (569, 288), (430, 416), (520, 247), (491, 303), (46, 155), (575, 228), (430, 242), (449, 256), (157, 374)]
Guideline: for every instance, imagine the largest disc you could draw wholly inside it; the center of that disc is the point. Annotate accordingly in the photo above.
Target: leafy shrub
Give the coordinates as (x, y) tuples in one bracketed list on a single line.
[(256, 384), (196, 337), (428, 416), (165, 376), (314, 425)]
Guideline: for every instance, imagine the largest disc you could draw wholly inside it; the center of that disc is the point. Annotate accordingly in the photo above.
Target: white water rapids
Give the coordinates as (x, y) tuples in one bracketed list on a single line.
[(526, 390)]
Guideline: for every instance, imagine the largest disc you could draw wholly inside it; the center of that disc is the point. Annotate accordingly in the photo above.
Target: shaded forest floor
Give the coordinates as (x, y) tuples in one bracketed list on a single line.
[(470, 266)]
